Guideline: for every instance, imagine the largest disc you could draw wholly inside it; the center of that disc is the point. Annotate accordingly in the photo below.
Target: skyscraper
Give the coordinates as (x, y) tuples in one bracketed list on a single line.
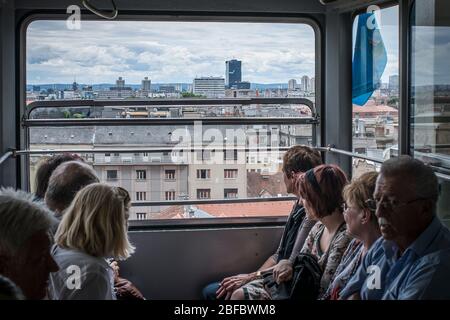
[(146, 84), (393, 83), (305, 83), (312, 84), (120, 83), (292, 84), (233, 74)]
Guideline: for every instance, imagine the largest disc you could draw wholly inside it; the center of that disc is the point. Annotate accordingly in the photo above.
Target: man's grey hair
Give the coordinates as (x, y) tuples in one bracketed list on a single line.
[(414, 171), (20, 219)]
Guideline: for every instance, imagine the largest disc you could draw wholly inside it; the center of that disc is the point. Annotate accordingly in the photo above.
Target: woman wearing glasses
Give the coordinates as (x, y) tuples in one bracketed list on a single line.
[(93, 229), (362, 224)]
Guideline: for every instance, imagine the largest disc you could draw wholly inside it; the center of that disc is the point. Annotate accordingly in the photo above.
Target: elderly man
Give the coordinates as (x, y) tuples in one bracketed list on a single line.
[(25, 243), (406, 194), (66, 180)]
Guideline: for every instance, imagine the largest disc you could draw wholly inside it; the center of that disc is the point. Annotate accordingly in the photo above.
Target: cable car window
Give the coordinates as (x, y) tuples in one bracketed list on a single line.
[(430, 91), (107, 65), (430, 83), (375, 87)]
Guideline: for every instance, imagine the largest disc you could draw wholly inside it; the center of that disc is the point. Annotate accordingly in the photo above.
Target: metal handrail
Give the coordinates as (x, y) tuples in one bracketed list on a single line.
[(149, 150), (348, 153), (165, 121), (167, 102), (6, 156)]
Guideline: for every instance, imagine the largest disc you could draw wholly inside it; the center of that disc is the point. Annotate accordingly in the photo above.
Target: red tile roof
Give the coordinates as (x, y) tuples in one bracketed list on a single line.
[(250, 209), (374, 109), (272, 184)]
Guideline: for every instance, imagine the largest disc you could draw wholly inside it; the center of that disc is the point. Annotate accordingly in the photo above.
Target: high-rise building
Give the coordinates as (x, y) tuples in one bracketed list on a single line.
[(211, 87), (292, 84), (312, 84), (120, 83), (146, 84), (393, 83), (305, 83), (233, 73)]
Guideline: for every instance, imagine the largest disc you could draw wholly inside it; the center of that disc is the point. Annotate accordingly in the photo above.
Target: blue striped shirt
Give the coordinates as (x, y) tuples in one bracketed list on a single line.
[(384, 275)]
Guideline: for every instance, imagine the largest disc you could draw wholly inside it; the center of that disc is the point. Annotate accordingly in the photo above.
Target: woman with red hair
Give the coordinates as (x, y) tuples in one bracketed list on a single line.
[(321, 192)]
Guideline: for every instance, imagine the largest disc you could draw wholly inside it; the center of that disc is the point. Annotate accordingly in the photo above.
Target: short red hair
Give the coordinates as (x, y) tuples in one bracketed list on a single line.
[(331, 180)]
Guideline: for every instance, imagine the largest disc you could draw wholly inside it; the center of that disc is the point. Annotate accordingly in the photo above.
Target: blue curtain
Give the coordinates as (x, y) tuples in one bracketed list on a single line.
[(369, 59)]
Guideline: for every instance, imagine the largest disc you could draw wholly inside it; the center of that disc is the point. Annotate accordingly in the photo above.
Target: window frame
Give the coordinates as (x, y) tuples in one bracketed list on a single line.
[(112, 179), (139, 173), (207, 174), (401, 136), (298, 18), (233, 176), (167, 177), (229, 190), (203, 190), (142, 195)]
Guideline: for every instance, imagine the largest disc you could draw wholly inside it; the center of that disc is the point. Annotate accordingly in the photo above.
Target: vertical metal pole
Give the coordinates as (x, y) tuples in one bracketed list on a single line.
[(404, 77)]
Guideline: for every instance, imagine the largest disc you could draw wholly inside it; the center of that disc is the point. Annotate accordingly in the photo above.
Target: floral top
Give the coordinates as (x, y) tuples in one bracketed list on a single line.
[(329, 260), (346, 269)]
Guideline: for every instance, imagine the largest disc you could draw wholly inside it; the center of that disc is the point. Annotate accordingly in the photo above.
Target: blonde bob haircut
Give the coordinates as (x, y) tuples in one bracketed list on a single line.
[(96, 222)]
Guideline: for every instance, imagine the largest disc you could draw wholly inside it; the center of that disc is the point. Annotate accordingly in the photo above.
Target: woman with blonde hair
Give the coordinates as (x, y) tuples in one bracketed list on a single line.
[(93, 229), (362, 224)]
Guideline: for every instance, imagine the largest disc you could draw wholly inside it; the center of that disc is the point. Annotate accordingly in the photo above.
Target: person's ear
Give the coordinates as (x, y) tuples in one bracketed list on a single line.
[(365, 216)]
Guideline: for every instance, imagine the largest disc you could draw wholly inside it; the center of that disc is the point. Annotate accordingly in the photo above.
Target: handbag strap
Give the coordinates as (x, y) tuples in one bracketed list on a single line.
[(332, 242)]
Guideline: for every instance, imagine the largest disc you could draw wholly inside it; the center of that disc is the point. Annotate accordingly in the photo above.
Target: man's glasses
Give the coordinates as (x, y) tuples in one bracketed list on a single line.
[(390, 204)]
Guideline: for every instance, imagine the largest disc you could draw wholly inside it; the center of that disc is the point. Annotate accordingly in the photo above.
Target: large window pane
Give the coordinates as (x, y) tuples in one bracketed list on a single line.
[(141, 60), (430, 83), (430, 90), (375, 124)]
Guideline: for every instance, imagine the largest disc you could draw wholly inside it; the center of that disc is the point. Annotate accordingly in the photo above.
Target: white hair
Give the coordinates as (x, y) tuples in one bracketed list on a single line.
[(20, 219)]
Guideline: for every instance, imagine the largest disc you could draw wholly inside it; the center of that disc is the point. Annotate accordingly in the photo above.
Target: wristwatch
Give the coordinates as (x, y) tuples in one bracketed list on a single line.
[(258, 274)]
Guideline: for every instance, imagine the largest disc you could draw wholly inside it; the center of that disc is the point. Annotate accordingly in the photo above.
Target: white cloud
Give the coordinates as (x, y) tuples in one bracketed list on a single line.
[(167, 51)]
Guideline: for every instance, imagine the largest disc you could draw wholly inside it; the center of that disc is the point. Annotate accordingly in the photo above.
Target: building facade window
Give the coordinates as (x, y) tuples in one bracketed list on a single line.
[(141, 216), (111, 175), (230, 193), (203, 173), (204, 155), (203, 193), (141, 196), (230, 155), (141, 174), (230, 173), (170, 195), (169, 174)]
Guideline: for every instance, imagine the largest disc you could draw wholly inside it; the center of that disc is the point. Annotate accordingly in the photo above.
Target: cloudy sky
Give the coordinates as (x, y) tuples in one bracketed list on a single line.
[(166, 51), (169, 52)]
